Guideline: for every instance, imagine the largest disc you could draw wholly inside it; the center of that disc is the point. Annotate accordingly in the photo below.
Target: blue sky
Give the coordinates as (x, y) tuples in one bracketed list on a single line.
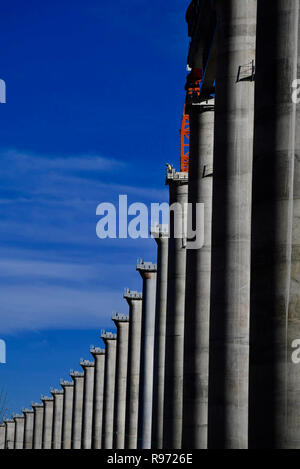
[(95, 93)]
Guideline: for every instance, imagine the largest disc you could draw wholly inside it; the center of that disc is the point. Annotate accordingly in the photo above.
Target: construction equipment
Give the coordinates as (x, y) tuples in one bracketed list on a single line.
[(192, 95)]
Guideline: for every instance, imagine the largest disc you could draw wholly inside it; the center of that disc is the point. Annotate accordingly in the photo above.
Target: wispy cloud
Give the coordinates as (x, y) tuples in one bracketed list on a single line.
[(28, 161), (67, 179), (50, 307), (54, 271), (18, 269)]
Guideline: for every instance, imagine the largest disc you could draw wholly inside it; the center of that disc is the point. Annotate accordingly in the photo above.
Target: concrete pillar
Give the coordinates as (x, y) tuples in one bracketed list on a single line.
[(110, 341), (78, 379), (88, 400), (274, 411), (197, 301), (173, 392), (99, 357), (122, 323), (231, 226), (28, 428), (134, 300), (48, 422), (58, 396), (19, 431), (148, 272), (2, 436), (68, 388), (161, 236), (9, 433), (38, 409)]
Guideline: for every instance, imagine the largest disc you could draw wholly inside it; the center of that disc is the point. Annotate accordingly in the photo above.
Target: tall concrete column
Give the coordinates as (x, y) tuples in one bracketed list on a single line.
[(161, 236), (173, 392), (28, 428), (134, 300), (48, 422), (9, 433), (99, 357), (78, 379), (122, 323), (68, 388), (2, 436), (231, 226), (197, 301), (274, 411), (110, 341), (38, 409), (19, 431), (148, 272), (58, 396), (88, 400)]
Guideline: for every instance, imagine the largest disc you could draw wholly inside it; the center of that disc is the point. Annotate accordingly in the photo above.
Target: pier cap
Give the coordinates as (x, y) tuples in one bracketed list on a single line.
[(47, 398), (66, 384), (177, 177), (145, 266), (97, 351), (108, 335), (117, 317), (27, 411), (37, 405), (86, 364), (76, 374), (132, 295), (56, 392), (160, 231)]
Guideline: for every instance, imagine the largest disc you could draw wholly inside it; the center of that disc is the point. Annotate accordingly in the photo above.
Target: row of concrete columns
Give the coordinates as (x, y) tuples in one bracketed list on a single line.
[(110, 404), (204, 358), (241, 384), (114, 402), (64, 421)]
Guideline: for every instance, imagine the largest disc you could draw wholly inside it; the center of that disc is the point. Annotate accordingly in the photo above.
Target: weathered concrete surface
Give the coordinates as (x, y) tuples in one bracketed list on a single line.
[(122, 323), (99, 357), (274, 411), (173, 389), (134, 300), (58, 396), (88, 400), (9, 433), (110, 341), (231, 226), (38, 425), (197, 302), (78, 379), (2, 436), (68, 388), (160, 235), (19, 431), (48, 422), (28, 428), (148, 273)]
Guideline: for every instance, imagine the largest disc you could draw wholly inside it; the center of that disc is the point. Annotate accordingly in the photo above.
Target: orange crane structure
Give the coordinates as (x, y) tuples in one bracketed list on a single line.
[(193, 91), (185, 142)]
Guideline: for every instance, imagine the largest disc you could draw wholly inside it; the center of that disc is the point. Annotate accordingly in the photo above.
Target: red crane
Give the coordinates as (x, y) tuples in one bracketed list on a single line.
[(193, 91)]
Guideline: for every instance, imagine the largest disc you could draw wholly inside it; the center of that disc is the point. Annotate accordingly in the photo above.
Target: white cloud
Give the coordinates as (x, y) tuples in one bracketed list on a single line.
[(55, 307), (26, 161), (15, 268)]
